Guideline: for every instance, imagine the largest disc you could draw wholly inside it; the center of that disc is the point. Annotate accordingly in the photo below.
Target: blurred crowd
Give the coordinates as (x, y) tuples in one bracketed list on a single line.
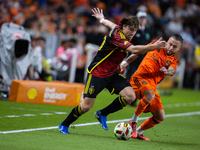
[(73, 18)]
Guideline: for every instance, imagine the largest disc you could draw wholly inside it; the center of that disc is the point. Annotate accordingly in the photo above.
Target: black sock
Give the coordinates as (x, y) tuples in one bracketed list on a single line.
[(73, 116), (116, 105)]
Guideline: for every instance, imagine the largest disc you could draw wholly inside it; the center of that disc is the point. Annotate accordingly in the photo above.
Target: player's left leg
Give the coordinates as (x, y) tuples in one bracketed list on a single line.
[(93, 86), (147, 96), (76, 112)]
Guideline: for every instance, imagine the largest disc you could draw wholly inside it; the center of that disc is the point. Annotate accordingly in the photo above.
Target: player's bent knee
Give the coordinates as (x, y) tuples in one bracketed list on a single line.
[(162, 118), (149, 95), (159, 115), (87, 104), (85, 109), (128, 94), (130, 98)]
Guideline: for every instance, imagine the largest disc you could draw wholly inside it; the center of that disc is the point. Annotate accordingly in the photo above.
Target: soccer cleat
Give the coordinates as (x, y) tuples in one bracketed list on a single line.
[(63, 129), (102, 119), (134, 129), (141, 137)]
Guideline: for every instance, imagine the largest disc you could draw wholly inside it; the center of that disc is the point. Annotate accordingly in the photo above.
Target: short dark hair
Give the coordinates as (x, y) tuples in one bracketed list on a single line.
[(130, 21), (73, 40), (177, 37), (41, 38), (63, 42)]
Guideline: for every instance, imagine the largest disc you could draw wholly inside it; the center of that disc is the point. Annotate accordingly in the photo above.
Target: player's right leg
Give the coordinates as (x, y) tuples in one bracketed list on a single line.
[(92, 87), (76, 112)]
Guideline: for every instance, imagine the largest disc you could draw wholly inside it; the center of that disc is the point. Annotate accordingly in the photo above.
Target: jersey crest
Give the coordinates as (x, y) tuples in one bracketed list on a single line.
[(168, 63)]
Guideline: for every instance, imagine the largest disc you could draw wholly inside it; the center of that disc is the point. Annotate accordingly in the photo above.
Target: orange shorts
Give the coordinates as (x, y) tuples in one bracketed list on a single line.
[(140, 85)]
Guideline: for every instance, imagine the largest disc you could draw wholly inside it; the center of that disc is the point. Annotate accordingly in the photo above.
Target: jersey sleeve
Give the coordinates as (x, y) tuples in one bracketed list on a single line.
[(120, 40)]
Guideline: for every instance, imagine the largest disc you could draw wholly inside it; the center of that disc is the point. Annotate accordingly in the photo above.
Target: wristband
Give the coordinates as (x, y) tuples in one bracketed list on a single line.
[(101, 20), (124, 63)]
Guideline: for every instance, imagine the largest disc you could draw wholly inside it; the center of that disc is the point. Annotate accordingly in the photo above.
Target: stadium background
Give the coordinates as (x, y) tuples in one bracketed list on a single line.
[(56, 20), (34, 126)]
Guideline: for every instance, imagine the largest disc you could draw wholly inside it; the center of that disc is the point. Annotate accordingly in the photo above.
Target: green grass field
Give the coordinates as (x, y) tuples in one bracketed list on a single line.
[(179, 131)]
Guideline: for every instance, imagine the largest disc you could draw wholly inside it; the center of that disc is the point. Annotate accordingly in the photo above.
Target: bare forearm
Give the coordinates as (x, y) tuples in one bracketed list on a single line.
[(108, 24), (140, 49), (129, 59)]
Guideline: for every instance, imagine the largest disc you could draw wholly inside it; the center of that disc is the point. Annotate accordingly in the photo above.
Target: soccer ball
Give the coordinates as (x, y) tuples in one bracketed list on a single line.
[(123, 131)]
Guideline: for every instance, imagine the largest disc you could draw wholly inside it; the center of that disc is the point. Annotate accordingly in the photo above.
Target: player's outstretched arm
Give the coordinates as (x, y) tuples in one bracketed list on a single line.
[(98, 14), (140, 49)]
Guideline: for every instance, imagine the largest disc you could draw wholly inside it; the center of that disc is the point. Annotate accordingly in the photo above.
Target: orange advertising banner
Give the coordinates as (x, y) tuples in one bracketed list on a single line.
[(40, 92)]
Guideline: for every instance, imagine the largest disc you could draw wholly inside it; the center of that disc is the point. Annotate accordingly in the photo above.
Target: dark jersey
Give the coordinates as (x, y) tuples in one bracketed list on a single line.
[(111, 53)]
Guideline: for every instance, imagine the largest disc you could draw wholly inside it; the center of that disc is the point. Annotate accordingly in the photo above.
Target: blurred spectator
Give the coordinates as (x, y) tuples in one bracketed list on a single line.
[(187, 35), (65, 58), (35, 68), (116, 12), (174, 11), (188, 55), (191, 9), (63, 47), (174, 26), (94, 36), (46, 71), (150, 20), (154, 9)]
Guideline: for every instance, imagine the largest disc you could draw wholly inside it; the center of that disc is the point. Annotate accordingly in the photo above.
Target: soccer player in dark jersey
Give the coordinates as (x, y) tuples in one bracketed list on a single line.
[(104, 70)]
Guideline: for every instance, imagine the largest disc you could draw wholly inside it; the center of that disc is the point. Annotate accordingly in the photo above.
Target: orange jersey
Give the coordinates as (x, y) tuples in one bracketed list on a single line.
[(152, 62)]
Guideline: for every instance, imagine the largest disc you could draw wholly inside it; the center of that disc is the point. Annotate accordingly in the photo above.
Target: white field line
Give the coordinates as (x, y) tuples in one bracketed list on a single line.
[(181, 105), (62, 113), (94, 123), (165, 106)]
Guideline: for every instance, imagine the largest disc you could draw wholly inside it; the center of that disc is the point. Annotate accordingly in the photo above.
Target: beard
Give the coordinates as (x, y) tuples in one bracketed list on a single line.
[(169, 53)]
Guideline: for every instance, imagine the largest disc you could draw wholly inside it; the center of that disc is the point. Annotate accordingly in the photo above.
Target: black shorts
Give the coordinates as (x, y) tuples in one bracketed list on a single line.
[(94, 85)]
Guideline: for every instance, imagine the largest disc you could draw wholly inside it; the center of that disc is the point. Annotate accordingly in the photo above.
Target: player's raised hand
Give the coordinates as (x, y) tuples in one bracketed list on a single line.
[(160, 43), (97, 13)]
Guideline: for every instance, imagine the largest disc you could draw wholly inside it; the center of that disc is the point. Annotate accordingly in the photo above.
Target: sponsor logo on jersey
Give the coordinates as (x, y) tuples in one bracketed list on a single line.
[(168, 63), (126, 42), (144, 82)]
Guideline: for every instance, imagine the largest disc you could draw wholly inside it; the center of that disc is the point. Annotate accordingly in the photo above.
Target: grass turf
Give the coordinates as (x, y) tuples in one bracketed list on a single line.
[(177, 133)]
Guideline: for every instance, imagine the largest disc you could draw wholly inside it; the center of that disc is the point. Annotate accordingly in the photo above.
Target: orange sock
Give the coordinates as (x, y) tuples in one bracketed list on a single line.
[(149, 123), (141, 106)]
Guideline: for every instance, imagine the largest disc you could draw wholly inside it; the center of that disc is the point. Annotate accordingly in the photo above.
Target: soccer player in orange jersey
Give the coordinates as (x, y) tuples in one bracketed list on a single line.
[(154, 67)]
